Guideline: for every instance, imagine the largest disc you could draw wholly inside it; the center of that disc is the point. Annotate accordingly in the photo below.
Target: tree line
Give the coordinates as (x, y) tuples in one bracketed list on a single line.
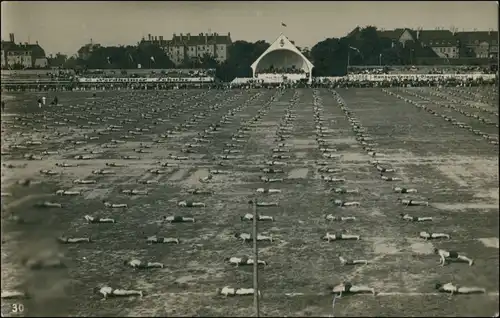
[(330, 57)]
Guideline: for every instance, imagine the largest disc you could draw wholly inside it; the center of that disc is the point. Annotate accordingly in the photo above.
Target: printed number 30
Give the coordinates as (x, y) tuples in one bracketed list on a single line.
[(17, 308)]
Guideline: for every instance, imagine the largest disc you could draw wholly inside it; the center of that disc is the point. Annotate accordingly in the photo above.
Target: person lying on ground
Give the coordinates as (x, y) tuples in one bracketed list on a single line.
[(331, 217), (239, 261), (268, 180), (103, 172), (84, 181), (48, 172), (280, 150), (73, 240), (135, 192), (346, 203), (339, 236), (107, 292), (114, 164), (14, 294), (408, 217), (382, 169), (83, 157), (404, 190), (227, 291), (200, 191), (432, 236), (114, 205), (137, 264), (48, 204), (281, 157), (345, 262), (66, 165), (327, 149), (409, 202), (455, 289), (68, 192), (47, 152), (206, 179), (216, 171), (349, 288), (249, 217), (386, 178), (172, 157), (178, 219), (168, 164), (161, 240), (14, 166), (451, 256), (332, 179), (345, 191), (246, 237), (272, 170), (95, 220), (32, 157), (268, 191), (328, 170), (129, 157), (263, 204), (331, 155), (275, 163), (191, 204)]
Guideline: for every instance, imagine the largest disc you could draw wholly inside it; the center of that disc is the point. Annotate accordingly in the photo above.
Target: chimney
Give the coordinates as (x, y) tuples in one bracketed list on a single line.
[(189, 36), (36, 42), (180, 36), (228, 34), (11, 37), (161, 38), (206, 38), (149, 36)]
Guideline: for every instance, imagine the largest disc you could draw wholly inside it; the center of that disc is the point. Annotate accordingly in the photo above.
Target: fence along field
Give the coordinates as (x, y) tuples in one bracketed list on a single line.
[(233, 136)]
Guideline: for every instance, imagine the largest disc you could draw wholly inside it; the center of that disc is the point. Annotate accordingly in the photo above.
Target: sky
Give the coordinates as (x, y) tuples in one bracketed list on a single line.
[(64, 26)]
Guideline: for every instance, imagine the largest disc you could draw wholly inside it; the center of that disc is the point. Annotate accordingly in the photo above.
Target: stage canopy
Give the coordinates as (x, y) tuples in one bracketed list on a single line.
[(281, 55)]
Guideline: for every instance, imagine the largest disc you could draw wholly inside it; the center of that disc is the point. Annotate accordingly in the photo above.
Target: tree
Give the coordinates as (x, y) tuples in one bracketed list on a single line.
[(330, 57), (241, 55), (58, 60)]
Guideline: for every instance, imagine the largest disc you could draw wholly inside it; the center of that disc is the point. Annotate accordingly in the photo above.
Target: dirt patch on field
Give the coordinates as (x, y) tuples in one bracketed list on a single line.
[(488, 194), (382, 246), (178, 175), (420, 247), (464, 206), (300, 173), (194, 178), (490, 242), (97, 194)]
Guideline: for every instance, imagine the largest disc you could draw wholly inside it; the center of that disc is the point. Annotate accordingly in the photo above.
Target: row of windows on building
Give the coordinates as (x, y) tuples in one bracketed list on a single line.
[(476, 42)]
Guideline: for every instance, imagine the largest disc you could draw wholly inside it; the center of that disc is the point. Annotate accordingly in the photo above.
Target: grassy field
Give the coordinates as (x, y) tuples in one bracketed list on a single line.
[(452, 168)]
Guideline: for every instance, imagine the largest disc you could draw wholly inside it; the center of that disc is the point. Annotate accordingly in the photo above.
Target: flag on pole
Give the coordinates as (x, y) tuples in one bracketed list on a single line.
[(283, 25), (153, 59)]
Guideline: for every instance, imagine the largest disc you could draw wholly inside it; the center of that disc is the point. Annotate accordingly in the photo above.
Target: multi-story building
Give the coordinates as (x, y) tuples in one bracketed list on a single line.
[(443, 42), (22, 55), (188, 46), (482, 44)]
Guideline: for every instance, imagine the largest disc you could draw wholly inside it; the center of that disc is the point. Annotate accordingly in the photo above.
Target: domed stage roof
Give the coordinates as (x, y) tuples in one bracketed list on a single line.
[(282, 54)]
